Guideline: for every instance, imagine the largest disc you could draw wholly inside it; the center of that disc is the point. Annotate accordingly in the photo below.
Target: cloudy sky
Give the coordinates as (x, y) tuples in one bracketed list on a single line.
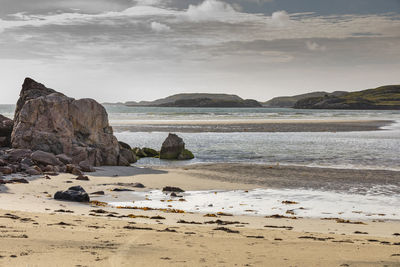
[(122, 50)]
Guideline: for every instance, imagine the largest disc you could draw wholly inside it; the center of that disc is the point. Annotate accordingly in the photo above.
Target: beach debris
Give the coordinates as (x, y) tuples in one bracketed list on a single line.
[(157, 218), (278, 239), (348, 221), (130, 227), (172, 189), (395, 255), (316, 238), (226, 230), (186, 222), (133, 216), (220, 222), (224, 214), (168, 230), (288, 202), (62, 224), (277, 216), (396, 234), (360, 233), (210, 215), (122, 190), (64, 211), (279, 227), (291, 212), (98, 203), (74, 193), (99, 211), (255, 236)]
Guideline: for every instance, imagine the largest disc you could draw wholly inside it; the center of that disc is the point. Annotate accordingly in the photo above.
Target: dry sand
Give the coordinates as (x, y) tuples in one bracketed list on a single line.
[(35, 232)]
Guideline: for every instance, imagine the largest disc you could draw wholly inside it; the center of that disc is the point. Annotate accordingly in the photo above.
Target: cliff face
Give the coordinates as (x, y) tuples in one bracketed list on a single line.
[(49, 121), (383, 98)]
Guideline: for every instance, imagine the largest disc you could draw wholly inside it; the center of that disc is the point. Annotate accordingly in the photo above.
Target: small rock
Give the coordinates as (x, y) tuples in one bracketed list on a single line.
[(101, 193), (138, 185), (82, 178), (172, 189), (122, 190)]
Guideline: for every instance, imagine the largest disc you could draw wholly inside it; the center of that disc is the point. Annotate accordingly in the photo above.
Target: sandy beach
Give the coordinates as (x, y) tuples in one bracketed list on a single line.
[(36, 229)]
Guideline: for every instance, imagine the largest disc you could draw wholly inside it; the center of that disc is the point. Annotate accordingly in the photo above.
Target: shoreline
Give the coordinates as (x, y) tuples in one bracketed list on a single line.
[(35, 228), (253, 126)]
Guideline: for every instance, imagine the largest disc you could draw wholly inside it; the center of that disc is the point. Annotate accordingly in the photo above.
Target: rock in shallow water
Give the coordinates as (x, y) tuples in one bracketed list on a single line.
[(74, 193), (174, 148)]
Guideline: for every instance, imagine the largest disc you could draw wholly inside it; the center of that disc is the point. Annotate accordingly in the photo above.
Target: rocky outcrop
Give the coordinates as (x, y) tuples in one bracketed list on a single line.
[(49, 121), (6, 127), (174, 148)]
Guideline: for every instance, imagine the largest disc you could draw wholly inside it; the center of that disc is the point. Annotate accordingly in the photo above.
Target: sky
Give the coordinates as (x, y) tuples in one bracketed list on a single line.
[(132, 50)]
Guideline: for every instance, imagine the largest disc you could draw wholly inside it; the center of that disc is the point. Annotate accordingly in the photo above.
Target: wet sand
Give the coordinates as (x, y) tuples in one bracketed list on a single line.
[(254, 126), (296, 177), (37, 230)]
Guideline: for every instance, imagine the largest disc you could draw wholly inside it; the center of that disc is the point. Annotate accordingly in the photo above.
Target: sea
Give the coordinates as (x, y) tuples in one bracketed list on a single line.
[(376, 149), (361, 150)]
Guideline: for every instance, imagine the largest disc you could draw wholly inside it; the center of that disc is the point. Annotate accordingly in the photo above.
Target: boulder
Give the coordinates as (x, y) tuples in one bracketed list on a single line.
[(85, 166), (45, 158), (64, 159), (6, 127), (150, 152), (127, 153), (174, 148), (49, 121), (75, 193), (16, 155), (185, 155)]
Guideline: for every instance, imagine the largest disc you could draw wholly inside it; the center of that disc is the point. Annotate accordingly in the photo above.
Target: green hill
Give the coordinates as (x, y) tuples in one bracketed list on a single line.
[(384, 97), (290, 101), (198, 100)]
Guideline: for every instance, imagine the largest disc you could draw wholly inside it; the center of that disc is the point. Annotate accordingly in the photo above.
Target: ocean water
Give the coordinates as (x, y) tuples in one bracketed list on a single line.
[(364, 150)]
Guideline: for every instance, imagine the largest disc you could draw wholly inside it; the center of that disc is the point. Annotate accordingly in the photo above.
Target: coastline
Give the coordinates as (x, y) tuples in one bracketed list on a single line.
[(80, 234)]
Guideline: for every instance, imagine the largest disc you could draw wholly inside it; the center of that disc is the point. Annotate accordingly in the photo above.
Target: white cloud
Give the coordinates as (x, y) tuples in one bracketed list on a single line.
[(280, 18), (210, 10), (159, 27), (313, 46)]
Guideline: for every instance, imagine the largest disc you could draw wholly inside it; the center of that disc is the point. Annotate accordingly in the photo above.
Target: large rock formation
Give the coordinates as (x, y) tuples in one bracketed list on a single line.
[(6, 127), (49, 121), (174, 148)]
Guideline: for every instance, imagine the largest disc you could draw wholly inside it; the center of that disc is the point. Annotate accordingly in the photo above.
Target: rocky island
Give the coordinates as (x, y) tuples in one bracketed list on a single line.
[(199, 100)]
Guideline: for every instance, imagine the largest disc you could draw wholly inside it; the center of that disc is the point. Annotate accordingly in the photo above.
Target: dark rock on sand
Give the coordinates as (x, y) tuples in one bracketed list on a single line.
[(138, 185), (74, 193), (82, 178), (6, 126), (172, 189), (100, 193), (174, 148), (49, 121)]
